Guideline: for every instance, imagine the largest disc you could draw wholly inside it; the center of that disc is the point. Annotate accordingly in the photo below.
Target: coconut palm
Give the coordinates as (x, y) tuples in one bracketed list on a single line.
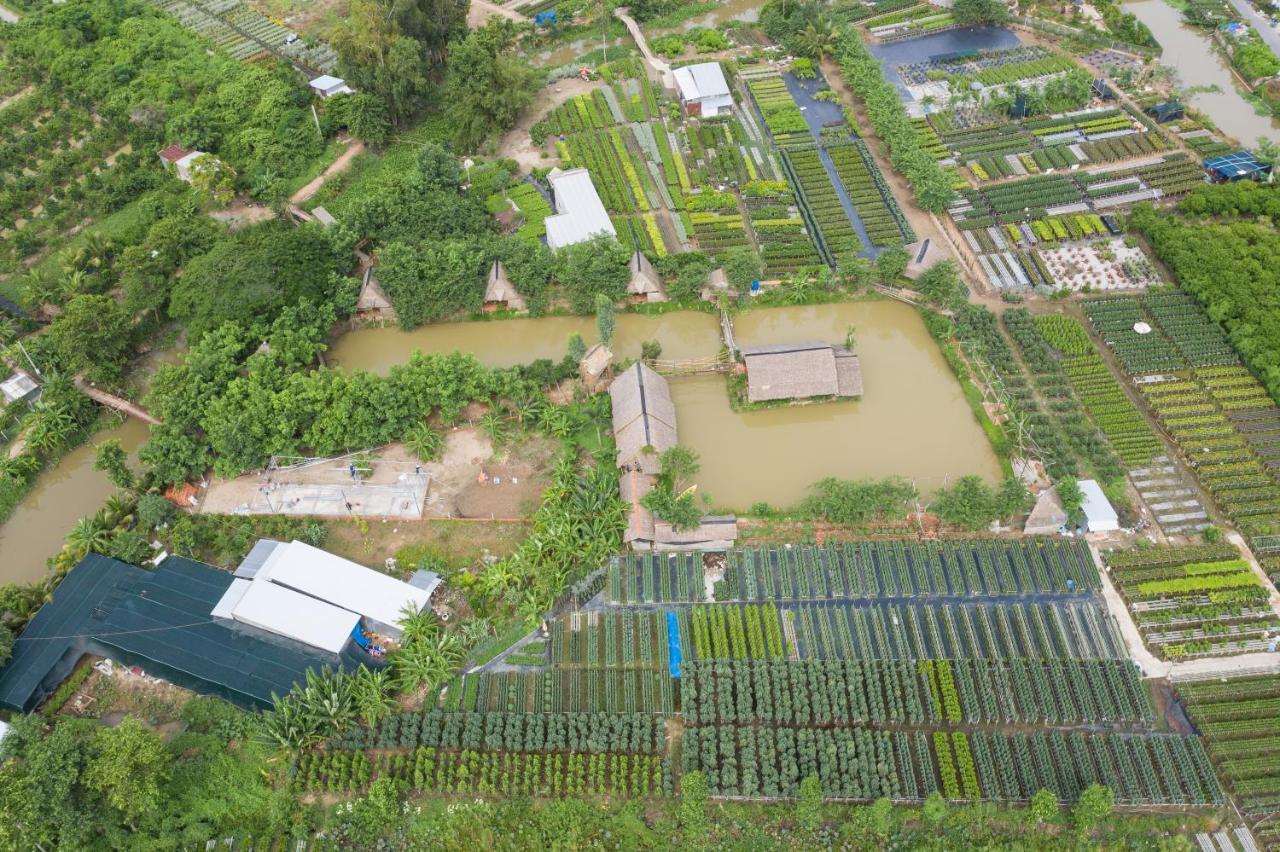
[(86, 537), (494, 426), (425, 442)]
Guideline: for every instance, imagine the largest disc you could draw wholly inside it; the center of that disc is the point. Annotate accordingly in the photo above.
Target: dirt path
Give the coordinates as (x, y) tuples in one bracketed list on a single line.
[(483, 10), (354, 149), (516, 144), (8, 15)]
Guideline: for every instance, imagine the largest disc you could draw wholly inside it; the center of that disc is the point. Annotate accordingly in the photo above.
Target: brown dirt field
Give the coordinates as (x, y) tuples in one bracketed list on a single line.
[(511, 484), (111, 699), (457, 542), (517, 145)]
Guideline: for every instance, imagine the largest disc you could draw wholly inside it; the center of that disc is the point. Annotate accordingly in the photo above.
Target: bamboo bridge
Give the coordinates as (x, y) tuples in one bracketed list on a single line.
[(117, 403)]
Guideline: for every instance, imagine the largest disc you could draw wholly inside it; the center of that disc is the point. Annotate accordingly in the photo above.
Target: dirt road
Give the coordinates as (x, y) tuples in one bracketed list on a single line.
[(483, 10), (354, 149), (517, 145)]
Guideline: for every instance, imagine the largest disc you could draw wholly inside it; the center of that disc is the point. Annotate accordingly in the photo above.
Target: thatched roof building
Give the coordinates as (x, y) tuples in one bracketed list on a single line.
[(594, 367), (500, 292), (715, 532), (373, 302), (646, 284), (801, 371), (1047, 516), (644, 418)]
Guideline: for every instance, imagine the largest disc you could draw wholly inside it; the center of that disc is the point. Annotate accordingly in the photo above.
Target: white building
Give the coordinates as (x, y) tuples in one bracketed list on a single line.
[(704, 90), (1098, 511), (18, 387), (326, 86), (304, 593), (580, 215)]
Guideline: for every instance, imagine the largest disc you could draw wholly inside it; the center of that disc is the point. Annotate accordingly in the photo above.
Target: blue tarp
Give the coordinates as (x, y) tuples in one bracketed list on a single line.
[(673, 642), (545, 19)]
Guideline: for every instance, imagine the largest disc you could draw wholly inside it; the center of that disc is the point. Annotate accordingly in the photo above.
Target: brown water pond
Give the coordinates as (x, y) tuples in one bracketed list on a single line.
[(913, 420), (65, 493), (1191, 53)]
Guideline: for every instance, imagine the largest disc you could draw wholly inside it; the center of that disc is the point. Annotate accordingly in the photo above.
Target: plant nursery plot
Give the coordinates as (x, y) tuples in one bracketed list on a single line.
[(870, 569), (908, 631), (1139, 353), (623, 639), (821, 202), (656, 578), (872, 199), (1238, 720), (1190, 602)]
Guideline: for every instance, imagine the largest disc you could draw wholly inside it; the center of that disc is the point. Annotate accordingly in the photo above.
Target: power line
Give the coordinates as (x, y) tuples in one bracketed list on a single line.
[(117, 633)]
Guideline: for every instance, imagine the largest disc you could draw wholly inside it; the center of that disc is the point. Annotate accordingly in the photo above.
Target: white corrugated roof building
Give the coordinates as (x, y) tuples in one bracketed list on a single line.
[(299, 591), (580, 215), (704, 90), (1099, 512)]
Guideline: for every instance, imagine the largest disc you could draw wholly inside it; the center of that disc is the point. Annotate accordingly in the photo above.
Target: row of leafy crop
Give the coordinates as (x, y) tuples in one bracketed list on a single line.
[(931, 185), (1038, 435), (1066, 629), (613, 169), (1097, 389), (610, 640), (859, 763), (636, 733), (1240, 722), (1086, 442), (1186, 604), (564, 691), (1029, 691), (737, 632), (870, 569), (785, 245), (656, 577), (494, 773), (871, 197), (818, 195)]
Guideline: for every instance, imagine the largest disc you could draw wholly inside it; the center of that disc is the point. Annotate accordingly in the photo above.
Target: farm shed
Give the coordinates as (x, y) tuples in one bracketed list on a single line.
[(500, 293), (157, 620), (380, 600), (178, 160), (801, 371), (703, 90), (326, 86), (1166, 112), (1098, 511), (1240, 165), (645, 284), (580, 214), (644, 418), (923, 255), (18, 388), (372, 302), (594, 367)]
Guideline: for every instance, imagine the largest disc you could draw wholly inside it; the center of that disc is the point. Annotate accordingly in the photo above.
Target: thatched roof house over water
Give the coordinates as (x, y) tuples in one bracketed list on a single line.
[(644, 418), (801, 371)]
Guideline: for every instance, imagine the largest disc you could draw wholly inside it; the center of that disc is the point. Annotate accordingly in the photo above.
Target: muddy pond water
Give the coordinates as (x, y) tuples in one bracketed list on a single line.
[(1191, 53), (68, 491), (912, 421)]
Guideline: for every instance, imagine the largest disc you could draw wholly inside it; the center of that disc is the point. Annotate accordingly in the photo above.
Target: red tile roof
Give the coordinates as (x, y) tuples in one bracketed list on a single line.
[(173, 153)]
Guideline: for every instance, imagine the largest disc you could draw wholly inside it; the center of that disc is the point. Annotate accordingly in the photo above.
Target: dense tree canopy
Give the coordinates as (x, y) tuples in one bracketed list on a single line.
[(1231, 262), (980, 11), (486, 87)]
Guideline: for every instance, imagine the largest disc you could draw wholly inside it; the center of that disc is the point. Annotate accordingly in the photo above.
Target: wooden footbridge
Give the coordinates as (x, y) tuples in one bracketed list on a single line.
[(112, 401)]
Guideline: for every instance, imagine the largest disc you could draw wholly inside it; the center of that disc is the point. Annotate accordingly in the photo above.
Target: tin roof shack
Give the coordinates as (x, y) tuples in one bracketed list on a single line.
[(703, 90), (180, 161), (326, 86), (798, 371), (580, 214), (159, 620), (1098, 511), (499, 293), (19, 387), (1166, 112)]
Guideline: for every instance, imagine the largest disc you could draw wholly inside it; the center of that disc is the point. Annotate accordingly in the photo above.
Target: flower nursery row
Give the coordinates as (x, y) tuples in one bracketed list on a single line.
[(610, 640), (835, 234), (1240, 722), (868, 569), (872, 199), (738, 632), (1069, 630), (1007, 691), (857, 763), (563, 691)]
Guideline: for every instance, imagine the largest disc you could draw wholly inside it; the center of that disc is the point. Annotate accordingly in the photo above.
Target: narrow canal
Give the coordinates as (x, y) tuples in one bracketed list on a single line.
[(1191, 53)]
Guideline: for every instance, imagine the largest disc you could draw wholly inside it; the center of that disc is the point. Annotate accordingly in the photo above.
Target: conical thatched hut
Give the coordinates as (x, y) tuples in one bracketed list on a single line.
[(646, 284), (500, 293)]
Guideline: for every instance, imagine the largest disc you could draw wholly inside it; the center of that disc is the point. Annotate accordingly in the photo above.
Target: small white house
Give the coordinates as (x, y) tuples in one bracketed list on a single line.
[(1098, 511), (580, 214), (181, 161), (326, 86), (704, 90), (19, 387)]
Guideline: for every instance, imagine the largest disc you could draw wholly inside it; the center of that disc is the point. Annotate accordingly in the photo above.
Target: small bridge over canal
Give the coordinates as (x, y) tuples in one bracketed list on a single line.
[(117, 403)]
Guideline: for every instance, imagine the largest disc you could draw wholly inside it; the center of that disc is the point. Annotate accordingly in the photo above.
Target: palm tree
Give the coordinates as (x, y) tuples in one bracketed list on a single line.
[(425, 442), (494, 426), (817, 39), (87, 536)]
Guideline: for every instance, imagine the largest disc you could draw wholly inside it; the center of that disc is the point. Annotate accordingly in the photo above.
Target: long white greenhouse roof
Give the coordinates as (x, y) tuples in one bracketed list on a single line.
[(287, 613), (341, 582), (580, 215)]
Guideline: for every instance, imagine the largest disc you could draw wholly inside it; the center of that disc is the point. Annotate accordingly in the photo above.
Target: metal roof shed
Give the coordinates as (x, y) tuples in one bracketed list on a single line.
[(341, 582), (704, 85), (580, 214), (1098, 511), (1236, 166), (292, 614)]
